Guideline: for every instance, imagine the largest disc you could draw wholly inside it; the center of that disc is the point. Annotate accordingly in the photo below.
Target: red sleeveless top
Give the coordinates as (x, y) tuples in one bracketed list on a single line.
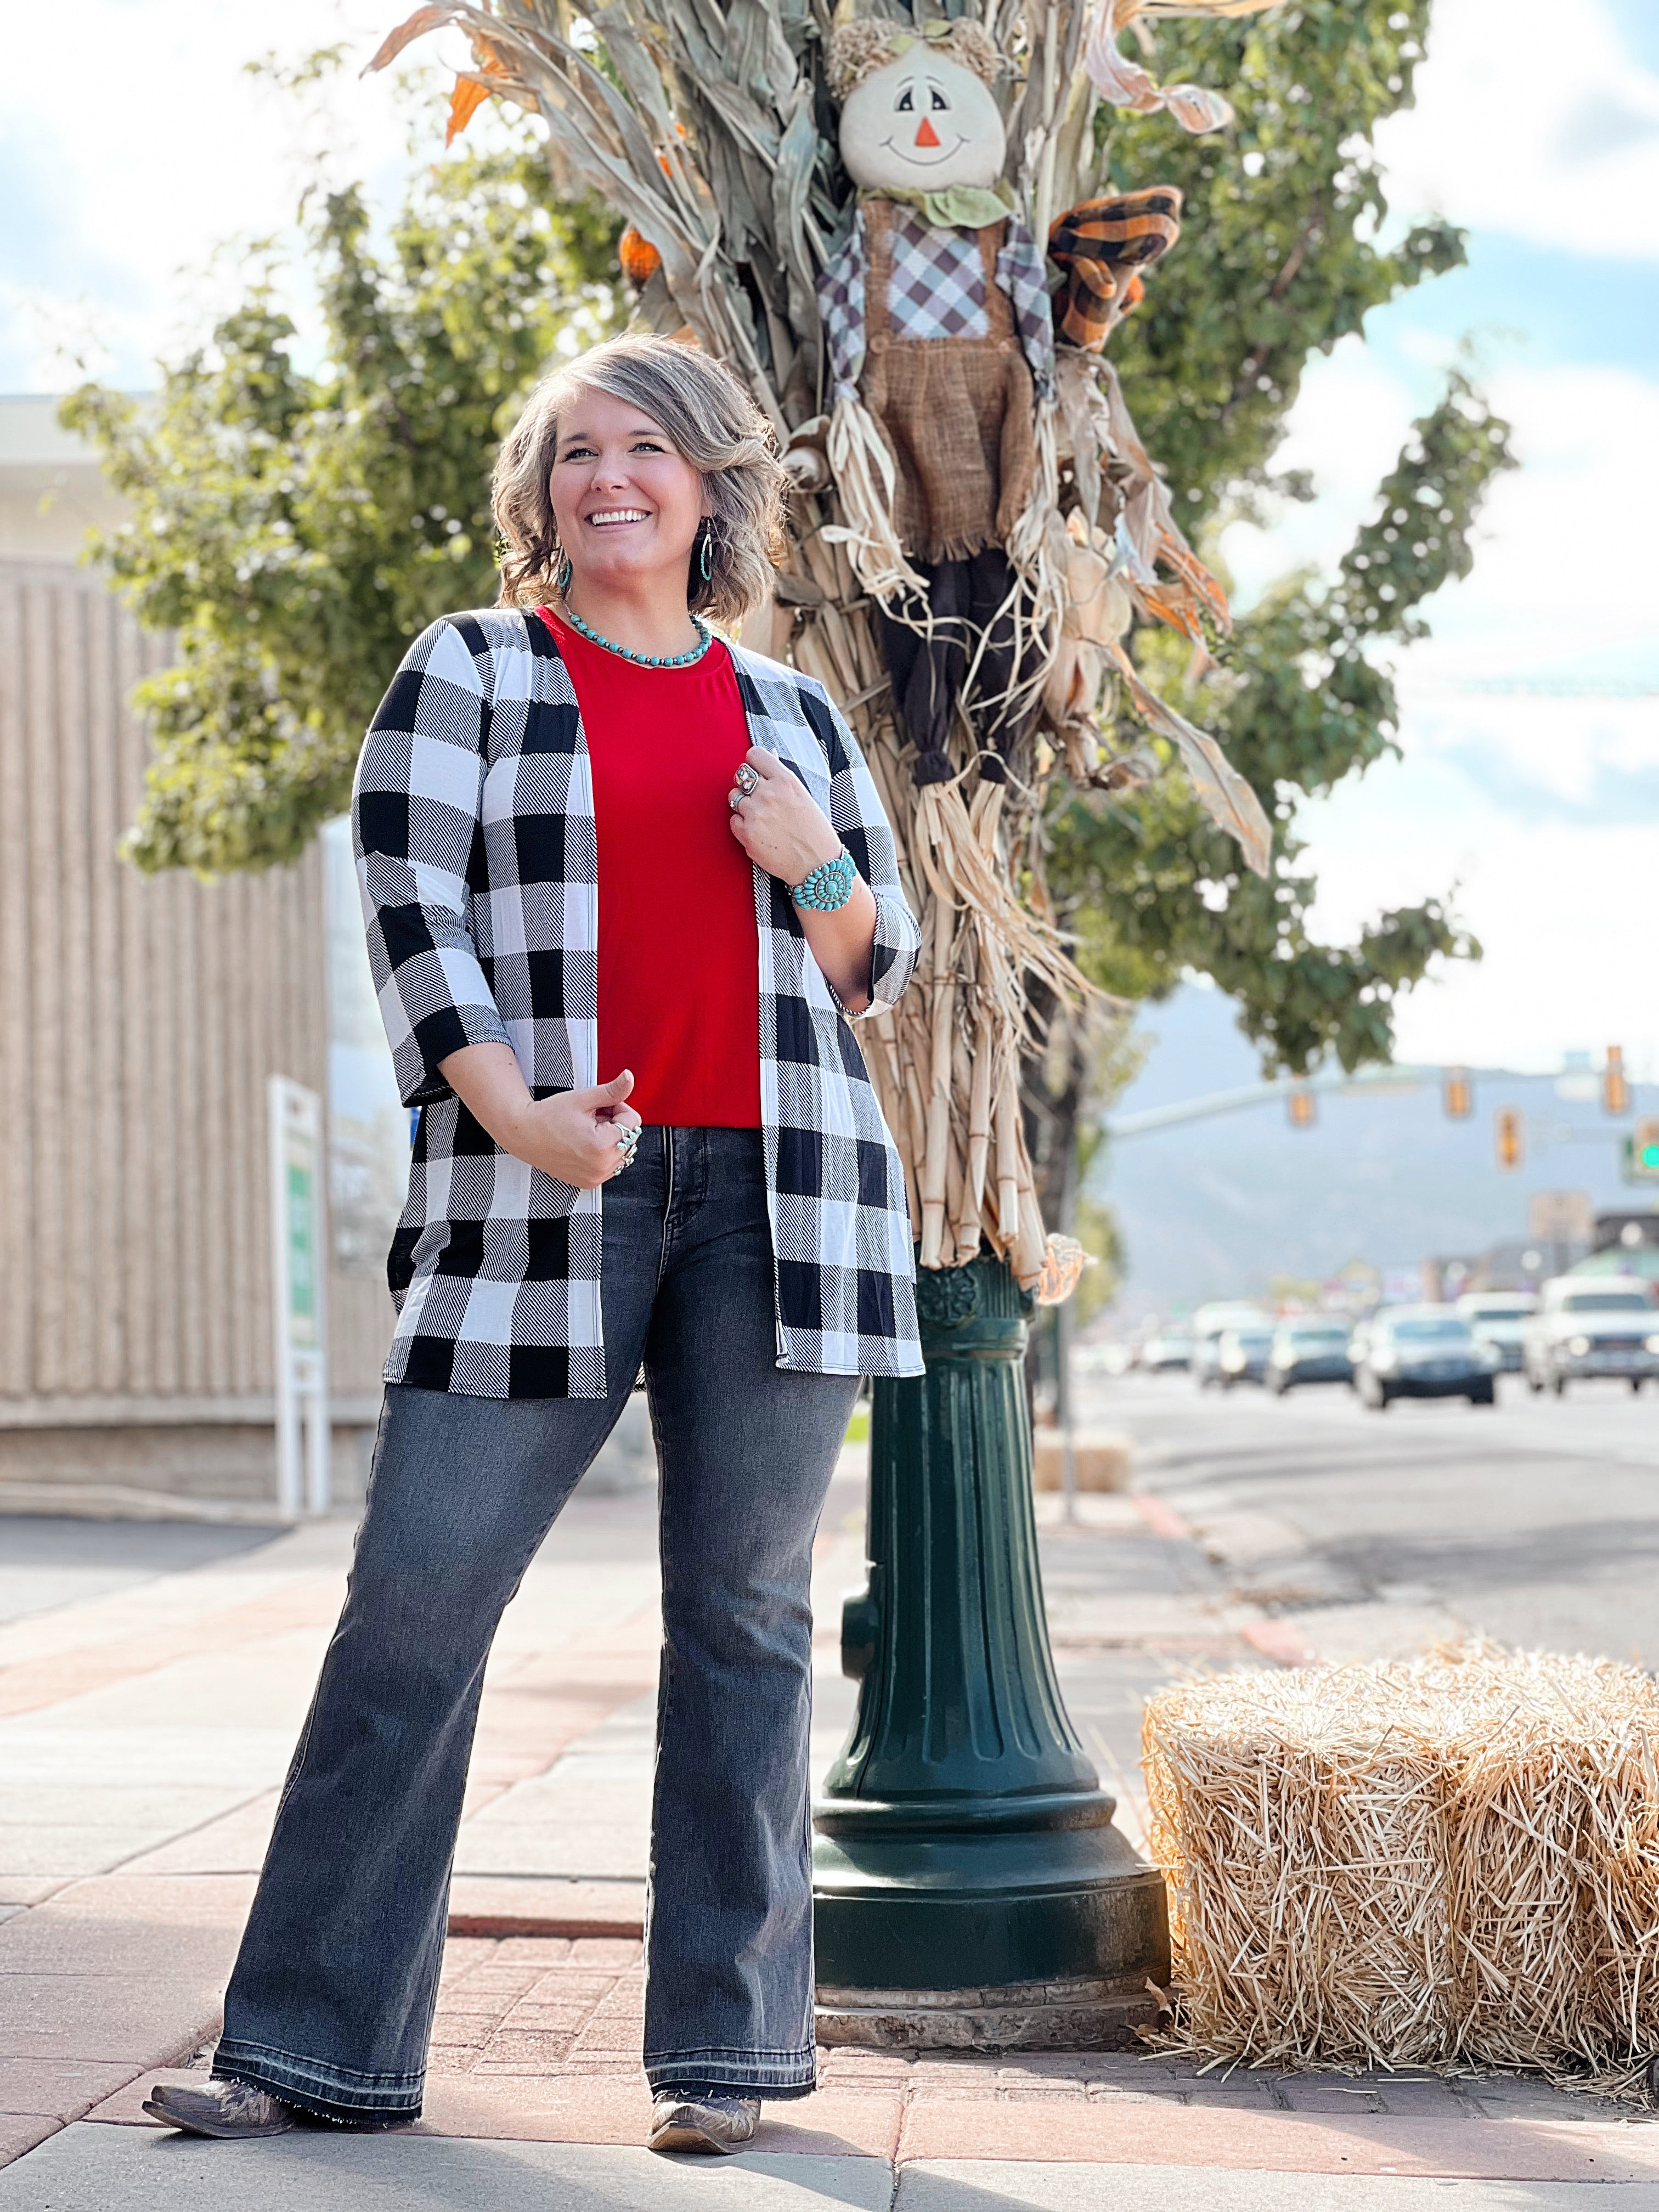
[(680, 964)]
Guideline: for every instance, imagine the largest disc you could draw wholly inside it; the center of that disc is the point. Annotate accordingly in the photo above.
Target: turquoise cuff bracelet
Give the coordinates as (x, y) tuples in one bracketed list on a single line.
[(828, 887)]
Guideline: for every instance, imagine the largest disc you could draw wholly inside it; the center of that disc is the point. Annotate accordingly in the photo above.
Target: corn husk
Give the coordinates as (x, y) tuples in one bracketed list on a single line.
[(703, 130), (1451, 1862)]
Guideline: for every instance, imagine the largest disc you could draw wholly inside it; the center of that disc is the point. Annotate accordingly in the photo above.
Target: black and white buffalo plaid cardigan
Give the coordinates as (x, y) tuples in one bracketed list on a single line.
[(473, 813)]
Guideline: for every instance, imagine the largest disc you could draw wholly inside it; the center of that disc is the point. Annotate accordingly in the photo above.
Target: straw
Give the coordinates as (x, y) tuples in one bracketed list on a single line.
[(1452, 1863)]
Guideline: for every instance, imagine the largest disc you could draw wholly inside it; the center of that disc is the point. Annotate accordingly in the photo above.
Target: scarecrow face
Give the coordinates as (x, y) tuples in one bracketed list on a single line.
[(922, 123)]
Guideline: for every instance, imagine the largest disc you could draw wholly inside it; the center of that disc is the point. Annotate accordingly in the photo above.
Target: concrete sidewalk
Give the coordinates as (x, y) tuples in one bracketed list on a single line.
[(145, 1723)]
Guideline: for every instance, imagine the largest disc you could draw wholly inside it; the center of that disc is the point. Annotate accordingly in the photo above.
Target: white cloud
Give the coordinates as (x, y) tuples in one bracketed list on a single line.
[(1568, 914), (1345, 430), (1564, 566), (1533, 120), (120, 179), (1563, 563), (1570, 757), (1542, 811)]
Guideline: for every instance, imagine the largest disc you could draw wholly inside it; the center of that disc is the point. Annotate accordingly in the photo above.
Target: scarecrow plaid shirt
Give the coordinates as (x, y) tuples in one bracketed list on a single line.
[(476, 857), (937, 291)]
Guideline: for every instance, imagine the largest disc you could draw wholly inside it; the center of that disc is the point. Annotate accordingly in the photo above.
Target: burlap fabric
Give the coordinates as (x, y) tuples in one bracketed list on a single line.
[(956, 412)]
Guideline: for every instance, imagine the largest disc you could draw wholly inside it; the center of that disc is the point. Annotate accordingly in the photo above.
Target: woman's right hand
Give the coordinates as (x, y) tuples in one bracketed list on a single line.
[(572, 1136)]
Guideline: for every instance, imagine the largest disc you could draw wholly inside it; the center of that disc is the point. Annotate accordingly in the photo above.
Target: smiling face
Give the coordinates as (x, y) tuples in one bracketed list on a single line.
[(922, 123), (628, 506)]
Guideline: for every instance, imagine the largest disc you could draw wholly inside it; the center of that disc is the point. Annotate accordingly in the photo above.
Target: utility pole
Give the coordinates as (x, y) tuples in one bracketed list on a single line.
[(1064, 1419)]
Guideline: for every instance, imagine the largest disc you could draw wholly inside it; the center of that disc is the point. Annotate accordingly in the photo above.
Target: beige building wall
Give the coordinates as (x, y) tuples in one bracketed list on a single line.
[(52, 490), (141, 1020)]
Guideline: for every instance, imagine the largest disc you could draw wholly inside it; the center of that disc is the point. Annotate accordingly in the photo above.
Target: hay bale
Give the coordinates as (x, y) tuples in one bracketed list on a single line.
[(1104, 1460), (1450, 1862)]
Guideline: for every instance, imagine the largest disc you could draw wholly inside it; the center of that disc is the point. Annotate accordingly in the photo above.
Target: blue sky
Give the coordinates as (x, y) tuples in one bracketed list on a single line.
[(1531, 719), (1536, 127)]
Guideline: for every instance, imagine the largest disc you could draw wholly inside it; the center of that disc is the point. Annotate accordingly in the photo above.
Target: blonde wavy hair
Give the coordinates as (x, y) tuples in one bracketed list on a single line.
[(709, 420)]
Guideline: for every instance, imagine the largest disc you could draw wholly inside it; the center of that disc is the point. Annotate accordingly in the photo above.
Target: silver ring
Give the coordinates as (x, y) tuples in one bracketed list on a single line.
[(747, 780), (734, 800)]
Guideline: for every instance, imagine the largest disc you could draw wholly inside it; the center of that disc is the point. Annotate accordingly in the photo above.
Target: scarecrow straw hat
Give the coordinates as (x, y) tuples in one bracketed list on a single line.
[(859, 48)]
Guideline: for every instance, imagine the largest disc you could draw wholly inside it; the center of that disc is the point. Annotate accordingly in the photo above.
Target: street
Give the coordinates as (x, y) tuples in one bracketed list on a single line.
[(1536, 1522)]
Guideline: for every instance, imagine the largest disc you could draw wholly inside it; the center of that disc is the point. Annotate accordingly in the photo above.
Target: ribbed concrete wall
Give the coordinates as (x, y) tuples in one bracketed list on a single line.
[(139, 1021)]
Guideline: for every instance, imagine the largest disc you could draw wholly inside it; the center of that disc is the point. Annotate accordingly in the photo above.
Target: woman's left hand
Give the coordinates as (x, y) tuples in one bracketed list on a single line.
[(778, 823)]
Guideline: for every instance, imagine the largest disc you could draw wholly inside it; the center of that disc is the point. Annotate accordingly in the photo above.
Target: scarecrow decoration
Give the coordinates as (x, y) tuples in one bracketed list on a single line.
[(941, 347), (919, 290)]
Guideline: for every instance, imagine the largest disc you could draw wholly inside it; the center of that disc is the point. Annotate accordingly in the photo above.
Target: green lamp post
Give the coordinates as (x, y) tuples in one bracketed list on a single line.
[(970, 1888)]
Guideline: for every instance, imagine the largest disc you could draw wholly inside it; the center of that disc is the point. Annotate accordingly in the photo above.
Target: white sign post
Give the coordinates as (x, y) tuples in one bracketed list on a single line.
[(299, 1274)]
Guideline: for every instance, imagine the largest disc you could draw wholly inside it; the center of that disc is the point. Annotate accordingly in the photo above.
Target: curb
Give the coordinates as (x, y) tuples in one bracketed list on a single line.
[(553, 1924)]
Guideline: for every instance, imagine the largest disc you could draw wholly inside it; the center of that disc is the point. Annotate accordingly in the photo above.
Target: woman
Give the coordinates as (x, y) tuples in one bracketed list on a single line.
[(591, 834)]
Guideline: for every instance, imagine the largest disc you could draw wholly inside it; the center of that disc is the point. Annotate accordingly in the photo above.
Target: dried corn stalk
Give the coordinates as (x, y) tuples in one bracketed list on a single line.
[(706, 129)]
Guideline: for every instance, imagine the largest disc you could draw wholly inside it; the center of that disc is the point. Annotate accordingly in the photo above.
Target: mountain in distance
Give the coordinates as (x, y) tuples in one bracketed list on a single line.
[(1219, 1207)]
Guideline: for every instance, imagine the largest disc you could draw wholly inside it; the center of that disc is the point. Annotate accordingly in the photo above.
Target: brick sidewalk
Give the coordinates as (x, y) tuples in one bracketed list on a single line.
[(144, 1732), (538, 2039)]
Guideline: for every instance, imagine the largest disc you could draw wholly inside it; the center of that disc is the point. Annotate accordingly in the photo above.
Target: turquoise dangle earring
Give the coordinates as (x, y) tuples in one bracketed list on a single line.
[(706, 560), (562, 575)]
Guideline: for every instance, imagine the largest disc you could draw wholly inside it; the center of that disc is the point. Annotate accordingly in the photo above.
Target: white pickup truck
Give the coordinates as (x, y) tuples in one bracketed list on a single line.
[(1590, 1325)]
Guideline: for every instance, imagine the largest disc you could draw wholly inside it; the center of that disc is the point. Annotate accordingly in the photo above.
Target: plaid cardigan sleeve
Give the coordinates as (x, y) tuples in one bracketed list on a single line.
[(857, 815), (415, 810)]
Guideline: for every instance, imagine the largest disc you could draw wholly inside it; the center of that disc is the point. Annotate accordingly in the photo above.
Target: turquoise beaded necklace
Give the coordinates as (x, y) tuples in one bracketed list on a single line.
[(705, 639)]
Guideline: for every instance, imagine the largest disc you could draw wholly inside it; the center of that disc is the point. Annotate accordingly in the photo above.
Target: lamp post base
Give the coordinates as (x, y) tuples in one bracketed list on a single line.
[(970, 1889), (1069, 2015), (896, 1906)]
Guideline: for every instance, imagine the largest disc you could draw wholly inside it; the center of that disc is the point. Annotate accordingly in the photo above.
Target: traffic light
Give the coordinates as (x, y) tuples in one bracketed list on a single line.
[(1457, 1094), (1645, 1151), (1511, 1134), (1615, 1090), (1302, 1107)]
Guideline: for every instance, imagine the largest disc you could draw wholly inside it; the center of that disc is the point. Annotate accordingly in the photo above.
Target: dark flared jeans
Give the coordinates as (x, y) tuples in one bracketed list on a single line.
[(331, 2003)]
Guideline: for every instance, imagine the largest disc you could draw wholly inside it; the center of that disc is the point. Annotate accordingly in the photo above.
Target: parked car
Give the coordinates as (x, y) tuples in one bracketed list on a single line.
[(1242, 1352), (1170, 1348), (1361, 1329), (1422, 1351), (1313, 1348), (1499, 1318), (1592, 1325), (1210, 1324)]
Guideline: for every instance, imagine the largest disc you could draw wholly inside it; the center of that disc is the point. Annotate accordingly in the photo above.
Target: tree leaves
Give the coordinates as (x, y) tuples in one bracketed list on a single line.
[(1301, 703), (297, 530), (1277, 261)]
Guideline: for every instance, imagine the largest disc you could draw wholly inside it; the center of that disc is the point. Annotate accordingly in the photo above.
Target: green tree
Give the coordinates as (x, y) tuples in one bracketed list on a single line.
[(296, 530), (1280, 258)]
